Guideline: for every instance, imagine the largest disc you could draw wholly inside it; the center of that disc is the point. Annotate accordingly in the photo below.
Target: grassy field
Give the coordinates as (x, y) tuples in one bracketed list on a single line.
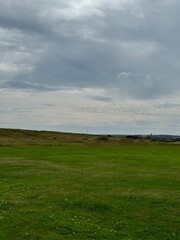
[(58, 186)]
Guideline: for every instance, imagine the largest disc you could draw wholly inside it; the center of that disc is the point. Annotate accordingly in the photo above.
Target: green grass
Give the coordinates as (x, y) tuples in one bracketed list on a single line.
[(90, 191)]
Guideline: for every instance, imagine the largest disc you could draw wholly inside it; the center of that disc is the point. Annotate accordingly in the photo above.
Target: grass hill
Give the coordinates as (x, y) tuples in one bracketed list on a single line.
[(34, 137), (16, 137)]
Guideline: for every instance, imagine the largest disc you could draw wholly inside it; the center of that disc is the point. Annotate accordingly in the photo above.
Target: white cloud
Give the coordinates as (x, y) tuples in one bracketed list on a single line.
[(71, 109), (8, 67)]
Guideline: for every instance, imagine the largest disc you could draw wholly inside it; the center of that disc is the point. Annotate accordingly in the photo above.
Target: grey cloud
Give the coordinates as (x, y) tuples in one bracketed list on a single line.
[(78, 64), (168, 105), (101, 98), (143, 86), (25, 16), (26, 86), (90, 44)]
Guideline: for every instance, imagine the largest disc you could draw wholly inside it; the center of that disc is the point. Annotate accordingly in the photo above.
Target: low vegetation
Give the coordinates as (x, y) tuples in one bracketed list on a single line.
[(68, 186)]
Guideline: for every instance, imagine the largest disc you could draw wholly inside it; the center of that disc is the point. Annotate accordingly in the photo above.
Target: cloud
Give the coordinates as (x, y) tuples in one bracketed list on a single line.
[(79, 111), (88, 43), (127, 49), (143, 86), (26, 86)]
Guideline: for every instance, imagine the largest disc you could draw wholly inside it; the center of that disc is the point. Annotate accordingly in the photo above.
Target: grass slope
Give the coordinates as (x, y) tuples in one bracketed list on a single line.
[(89, 190)]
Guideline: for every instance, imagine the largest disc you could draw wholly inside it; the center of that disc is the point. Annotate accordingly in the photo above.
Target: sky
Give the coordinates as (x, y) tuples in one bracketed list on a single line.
[(90, 66)]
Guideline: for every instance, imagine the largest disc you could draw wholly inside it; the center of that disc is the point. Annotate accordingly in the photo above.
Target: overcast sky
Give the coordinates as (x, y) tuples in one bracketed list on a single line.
[(95, 66)]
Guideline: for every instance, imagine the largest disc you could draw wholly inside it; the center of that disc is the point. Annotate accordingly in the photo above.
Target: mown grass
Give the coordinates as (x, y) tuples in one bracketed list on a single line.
[(89, 191)]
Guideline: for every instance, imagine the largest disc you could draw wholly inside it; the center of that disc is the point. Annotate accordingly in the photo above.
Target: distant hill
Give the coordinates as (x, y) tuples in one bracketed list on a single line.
[(161, 137), (34, 137), (14, 137)]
